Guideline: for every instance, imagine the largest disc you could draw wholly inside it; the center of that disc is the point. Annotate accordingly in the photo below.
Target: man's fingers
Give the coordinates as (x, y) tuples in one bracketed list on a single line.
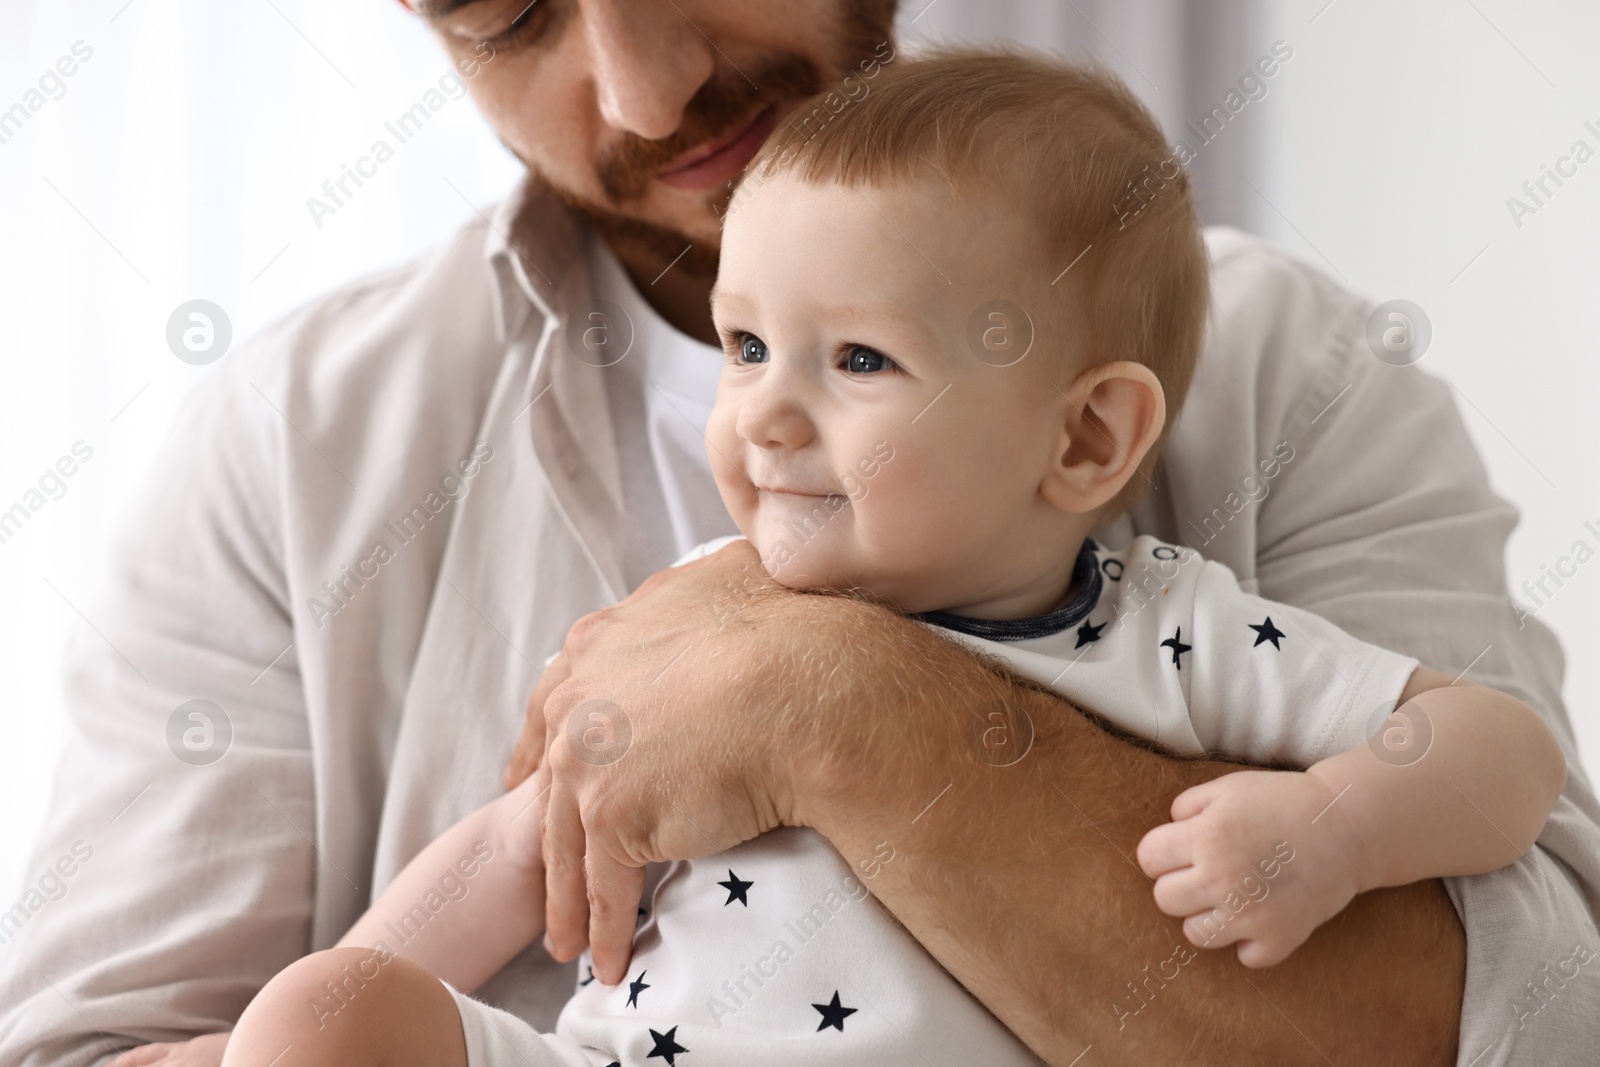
[(203, 1051), (615, 890), (529, 750), (566, 896)]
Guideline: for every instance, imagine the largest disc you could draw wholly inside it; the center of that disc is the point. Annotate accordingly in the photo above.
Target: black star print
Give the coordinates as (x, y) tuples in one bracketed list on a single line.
[(635, 987), (1267, 632), (666, 1047), (736, 890), (1089, 633), (589, 979), (1175, 642), (833, 1014)]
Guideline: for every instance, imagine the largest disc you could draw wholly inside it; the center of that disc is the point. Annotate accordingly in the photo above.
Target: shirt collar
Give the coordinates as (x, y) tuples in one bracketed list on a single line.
[(532, 238), (1085, 575)]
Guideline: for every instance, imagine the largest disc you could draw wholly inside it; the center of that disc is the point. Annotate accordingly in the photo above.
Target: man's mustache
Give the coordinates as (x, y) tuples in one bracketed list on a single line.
[(722, 105)]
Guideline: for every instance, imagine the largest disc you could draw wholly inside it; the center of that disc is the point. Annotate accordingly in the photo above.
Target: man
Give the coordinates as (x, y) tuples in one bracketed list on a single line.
[(370, 530)]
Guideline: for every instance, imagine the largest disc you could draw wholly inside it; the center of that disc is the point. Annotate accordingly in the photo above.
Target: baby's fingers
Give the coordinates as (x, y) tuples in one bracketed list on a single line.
[(1258, 953), (1184, 892), (1166, 848), (1211, 928), (1192, 801)]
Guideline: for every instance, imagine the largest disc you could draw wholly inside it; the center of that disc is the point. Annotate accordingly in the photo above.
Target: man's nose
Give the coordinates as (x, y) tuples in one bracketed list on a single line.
[(648, 60)]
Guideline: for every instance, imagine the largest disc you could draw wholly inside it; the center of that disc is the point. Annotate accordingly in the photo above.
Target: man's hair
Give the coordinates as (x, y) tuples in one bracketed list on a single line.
[(1067, 144)]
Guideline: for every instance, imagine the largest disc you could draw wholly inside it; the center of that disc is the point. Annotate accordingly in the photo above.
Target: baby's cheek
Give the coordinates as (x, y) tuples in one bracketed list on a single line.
[(738, 496), (909, 499)]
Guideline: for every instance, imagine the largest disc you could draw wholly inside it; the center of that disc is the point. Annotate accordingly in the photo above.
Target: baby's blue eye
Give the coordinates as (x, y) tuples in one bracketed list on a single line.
[(859, 359), (752, 349)]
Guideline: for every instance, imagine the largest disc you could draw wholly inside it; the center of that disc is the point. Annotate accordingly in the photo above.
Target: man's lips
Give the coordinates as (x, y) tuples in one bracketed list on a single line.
[(712, 164)]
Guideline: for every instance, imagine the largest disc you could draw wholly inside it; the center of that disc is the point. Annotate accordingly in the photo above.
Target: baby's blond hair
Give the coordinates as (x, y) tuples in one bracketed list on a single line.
[(1068, 144)]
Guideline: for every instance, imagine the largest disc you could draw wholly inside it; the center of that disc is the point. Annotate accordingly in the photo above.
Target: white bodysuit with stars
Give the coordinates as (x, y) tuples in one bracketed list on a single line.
[(775, 953)]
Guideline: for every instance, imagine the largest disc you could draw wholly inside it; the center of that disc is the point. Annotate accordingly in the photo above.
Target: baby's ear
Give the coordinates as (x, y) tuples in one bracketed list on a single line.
[(1111, 416)]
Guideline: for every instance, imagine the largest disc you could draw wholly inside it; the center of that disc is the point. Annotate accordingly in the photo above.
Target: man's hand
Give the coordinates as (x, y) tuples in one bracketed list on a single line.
[(200, 1052), (1244, 862), (660, 740)]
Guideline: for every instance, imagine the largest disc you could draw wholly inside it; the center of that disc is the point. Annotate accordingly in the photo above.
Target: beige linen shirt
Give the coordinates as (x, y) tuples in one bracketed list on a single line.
[(372, 695)]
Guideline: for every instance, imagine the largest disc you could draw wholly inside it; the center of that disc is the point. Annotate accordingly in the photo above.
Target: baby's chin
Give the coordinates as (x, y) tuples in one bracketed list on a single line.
[(811, 566)]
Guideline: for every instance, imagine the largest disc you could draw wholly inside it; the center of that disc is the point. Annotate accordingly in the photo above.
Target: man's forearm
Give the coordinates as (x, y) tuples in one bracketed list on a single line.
[(1012, 821)]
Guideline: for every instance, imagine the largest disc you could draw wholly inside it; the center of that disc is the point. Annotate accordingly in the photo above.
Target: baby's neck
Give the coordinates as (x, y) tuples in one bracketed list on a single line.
[(1041, 595)]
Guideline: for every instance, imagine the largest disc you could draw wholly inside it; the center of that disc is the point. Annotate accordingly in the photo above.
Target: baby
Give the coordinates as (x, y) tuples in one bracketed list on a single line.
[(957, 317)]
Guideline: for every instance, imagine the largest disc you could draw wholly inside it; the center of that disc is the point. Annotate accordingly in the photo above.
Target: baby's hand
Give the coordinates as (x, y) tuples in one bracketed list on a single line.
[(1250, 859), (201, 1052)]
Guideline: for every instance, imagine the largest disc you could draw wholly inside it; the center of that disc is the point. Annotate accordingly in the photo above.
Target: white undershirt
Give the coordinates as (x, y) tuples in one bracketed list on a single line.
[(660, 397)]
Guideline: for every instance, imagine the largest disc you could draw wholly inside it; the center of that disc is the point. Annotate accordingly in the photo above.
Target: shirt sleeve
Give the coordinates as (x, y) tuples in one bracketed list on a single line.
[(1275, 684), (185, 824)]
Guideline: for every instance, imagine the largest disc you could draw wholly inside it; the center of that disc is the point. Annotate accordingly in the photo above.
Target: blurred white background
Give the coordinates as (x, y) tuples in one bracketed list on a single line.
[(178, 158)]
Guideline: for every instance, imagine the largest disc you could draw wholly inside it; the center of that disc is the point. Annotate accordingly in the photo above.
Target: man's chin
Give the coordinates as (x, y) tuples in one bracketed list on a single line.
[(634, 237)]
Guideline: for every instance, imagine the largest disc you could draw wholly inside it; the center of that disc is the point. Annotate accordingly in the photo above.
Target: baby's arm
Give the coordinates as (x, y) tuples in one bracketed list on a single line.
[(1473, 801), (467, 904), (1460, 781)]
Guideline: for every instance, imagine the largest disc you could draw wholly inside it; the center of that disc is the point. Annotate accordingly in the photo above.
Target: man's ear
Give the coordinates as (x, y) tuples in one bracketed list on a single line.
[(1111, 416)]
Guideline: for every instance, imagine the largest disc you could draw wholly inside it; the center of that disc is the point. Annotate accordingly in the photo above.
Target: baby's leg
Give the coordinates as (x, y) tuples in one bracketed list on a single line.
[(350, 1007)]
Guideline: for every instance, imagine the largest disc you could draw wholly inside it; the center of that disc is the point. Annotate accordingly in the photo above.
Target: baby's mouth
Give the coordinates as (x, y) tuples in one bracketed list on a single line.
[(801, 494), (789, 492)]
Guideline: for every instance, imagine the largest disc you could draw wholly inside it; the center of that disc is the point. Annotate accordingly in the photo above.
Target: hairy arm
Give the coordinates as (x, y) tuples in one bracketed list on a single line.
[(1020, 878)]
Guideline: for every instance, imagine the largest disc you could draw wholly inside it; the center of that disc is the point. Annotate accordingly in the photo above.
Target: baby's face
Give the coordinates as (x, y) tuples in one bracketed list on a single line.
[(859, 439)]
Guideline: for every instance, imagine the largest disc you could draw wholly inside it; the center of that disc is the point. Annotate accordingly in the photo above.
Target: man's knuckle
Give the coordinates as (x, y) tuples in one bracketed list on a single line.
[(559, 704), (601, 907), (583, 632), (565, 764), (558, 865)]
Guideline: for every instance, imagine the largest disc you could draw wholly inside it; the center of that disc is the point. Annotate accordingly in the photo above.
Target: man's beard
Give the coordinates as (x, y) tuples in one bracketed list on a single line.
[(725, 102)]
